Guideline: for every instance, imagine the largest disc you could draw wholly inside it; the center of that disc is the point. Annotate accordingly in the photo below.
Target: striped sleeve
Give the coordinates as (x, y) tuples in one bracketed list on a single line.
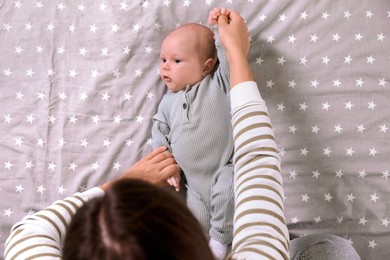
[(260, 231), (40, 236)]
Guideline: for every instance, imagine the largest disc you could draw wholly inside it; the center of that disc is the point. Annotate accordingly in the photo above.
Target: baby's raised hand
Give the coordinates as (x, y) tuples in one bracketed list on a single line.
[(215, 14)]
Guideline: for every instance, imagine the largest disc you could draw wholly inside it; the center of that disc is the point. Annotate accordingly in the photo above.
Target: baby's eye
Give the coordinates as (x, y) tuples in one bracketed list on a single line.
[(163, 60), (177, 61)]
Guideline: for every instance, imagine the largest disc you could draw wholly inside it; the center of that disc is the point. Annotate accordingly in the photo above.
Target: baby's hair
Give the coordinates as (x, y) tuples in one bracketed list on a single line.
[(205, 38)]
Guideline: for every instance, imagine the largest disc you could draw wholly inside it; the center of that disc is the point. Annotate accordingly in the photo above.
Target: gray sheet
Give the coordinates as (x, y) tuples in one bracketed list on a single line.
[(79, 86)]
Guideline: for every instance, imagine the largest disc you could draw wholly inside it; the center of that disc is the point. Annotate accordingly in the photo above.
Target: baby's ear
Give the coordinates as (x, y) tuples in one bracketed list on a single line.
[(208, 66)]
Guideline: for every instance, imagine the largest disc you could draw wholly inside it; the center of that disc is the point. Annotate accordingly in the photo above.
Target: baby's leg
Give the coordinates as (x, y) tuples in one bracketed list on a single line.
[(222, 206), (198, 207)]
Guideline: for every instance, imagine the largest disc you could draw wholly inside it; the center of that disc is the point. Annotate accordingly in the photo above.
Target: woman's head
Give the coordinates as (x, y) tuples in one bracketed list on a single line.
[(135, 220)]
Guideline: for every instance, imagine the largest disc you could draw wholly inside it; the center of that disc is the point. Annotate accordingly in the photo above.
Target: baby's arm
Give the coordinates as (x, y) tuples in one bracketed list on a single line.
[(160, 131)]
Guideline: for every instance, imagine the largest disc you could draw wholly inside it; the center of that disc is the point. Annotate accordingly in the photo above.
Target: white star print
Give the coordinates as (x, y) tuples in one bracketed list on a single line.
[(340, 220), (117, 166), (136, 27), (371, 105), (303, 16), (83, 96), (349, 151), (124, 6), (385, 174), (315, 129), (291, 38), (381, 37), (302, 106), (373, 197), (114, 28), (129, 142), (138, 72), (270, 83), (328, 197), (259, 60), (8, 165), (373, 152), (72, 166), (348, 105), (83, 142), (8, 212), (325, 106), (81, 8), (95, 119), (305, 197), (372, 244), (39, 5), (19, 188), (127, 96), (351, 197), (29, 165), (383, 128), (95, 166), (294, 220), (327, 151), (316, 174), (126, 50), (18, 4), (40, 189), (103, 7), (361, 128), (52, 166), (117, 119), (72, 119), (303, 60), (106, 142), (281, 60), (292, 129), (270, 39), (359, 37), (61, 190), (362, 174), (140, 119), (369, 14), (282, 18), (116, 73), (325, 15), (293, 174), (50, 27), (348, 59), (186, 3), (362, 221), (73, 73), (93, 28), (318, 219), (385, 222), (339, 174), (336, 37), (281, 107), (29, 73), (304, 151), (313, 38), (18, 141), (347, 14), (7, 72), (338, 128), (105, 96), (262, 18), (336, 83)]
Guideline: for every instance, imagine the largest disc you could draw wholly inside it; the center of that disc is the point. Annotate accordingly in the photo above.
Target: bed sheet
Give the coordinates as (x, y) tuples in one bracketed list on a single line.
[(79, 85)]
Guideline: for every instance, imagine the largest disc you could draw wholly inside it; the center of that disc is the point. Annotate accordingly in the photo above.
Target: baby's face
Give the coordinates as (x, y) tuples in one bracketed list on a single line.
[(181, 63)]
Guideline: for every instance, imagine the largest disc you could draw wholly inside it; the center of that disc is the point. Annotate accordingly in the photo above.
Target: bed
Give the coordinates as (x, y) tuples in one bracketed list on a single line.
[(79, 85)]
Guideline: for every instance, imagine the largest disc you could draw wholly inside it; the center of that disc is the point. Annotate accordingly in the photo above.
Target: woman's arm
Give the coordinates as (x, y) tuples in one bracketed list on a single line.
[(260, 230), (43, 233)]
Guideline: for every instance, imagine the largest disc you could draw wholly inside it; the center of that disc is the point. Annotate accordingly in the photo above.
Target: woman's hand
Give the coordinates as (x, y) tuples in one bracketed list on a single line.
[(156, 167)]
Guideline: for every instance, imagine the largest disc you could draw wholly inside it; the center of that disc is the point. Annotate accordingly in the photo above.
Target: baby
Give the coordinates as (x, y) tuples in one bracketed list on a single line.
[(193, 120)]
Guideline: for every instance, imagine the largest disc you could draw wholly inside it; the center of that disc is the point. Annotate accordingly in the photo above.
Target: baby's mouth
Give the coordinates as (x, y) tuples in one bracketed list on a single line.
[(166, 78)]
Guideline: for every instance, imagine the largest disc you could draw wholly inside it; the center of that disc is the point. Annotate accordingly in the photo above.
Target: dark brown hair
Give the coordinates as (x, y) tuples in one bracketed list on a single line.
[(135, 220)]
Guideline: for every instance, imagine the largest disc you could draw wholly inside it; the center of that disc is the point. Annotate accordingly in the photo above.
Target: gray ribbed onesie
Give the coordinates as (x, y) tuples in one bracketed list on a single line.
[(195, 123)]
